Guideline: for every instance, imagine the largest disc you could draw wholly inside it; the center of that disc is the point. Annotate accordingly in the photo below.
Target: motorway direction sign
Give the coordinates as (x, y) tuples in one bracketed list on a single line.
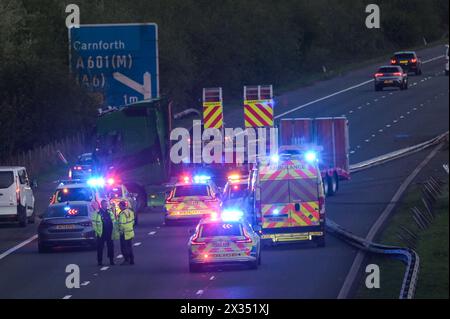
[(117, 62)]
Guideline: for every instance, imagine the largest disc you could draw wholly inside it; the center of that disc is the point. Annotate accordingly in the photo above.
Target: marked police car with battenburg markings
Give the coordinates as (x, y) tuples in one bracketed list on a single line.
[(225, 239), (192, 199)]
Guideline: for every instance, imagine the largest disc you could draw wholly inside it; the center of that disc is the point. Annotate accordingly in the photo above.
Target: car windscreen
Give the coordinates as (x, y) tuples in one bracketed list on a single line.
[(74, 195), (405, 56), (221, 230), (191, 190), (66, 211), (115, 192), (6, 179), (389, 70), (237, 191)]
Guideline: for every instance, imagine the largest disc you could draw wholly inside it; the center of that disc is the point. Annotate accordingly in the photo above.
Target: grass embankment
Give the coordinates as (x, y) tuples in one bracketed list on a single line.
[(432, 247)]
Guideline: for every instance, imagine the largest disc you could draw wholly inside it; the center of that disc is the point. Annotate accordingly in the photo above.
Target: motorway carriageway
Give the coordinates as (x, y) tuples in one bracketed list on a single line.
[(380, 122)]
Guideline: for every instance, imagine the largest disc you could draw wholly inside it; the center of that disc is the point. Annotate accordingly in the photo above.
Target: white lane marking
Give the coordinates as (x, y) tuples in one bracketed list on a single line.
[(433, 59), (351, 112), (17, 247), (360, 107), (376, 100), (408, 113), (395, 121), (67, 297), (95, 275), (104, 268), (367, 141), (137, 244), (357, 262), (359, 146), (212, 278), (368, 103), (388, 126), (373, 135), (352, 152), (323, 99), (152, 233), (381, 130), (402, 117), (200, 292), (85, 283), (119, 256), (383, 97)]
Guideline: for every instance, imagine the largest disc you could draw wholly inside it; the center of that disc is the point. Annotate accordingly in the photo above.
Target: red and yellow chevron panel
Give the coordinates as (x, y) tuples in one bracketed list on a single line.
[(258, 113), (307, 216), (213, 115)]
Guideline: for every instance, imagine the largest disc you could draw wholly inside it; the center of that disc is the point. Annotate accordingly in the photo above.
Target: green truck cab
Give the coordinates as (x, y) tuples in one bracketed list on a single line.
[(131, 143)]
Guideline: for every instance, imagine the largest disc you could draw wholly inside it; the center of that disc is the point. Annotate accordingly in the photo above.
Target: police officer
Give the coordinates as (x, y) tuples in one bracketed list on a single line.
[(126, 228), (106, 231)]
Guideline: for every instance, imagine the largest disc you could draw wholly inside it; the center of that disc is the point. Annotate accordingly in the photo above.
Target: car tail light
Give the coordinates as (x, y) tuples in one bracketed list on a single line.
[(393, 61), (377, 75), (414, 60), (195, 241), (398, 74), (247, 239), (17, 191)]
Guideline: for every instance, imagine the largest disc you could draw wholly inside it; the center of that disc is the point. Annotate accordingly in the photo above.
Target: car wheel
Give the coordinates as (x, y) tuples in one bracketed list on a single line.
[(321, 241), (254, 264), (194, 268), (22, 216), (42, 249), (32, 218)]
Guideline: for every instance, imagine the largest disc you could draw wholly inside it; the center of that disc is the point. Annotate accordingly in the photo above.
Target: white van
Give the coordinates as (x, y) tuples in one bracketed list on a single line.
[(16, 196)]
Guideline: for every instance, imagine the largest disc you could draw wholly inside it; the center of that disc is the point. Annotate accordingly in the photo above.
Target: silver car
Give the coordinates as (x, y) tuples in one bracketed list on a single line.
[(66, 224), (391, 76)]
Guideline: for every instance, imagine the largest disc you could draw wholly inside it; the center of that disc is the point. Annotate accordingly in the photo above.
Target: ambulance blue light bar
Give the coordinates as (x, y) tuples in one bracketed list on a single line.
[(231, 215), (202, 179), (96, 182)]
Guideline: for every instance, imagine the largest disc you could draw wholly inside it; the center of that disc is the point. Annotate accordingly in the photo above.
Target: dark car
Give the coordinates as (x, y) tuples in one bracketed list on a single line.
[(391, 76), (66, 224), (409, 61), (83, 167)]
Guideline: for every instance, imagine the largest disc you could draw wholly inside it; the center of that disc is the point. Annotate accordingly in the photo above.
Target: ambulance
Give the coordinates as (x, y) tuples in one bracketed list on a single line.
[(192, 199), (289, 199)]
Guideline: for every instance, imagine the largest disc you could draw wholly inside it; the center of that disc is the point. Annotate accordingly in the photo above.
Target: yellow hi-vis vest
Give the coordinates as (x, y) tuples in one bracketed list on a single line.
[(126, 223), (97, 224)]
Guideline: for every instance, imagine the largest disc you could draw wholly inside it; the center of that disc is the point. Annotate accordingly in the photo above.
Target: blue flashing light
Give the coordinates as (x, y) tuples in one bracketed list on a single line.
[(276, 212), (231, 215), (96, 182), (202, 179), (311, 156), (67, 208), (275, 158)]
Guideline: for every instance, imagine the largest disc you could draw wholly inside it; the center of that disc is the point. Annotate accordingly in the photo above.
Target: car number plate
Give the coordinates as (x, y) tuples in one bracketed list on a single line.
[(388, 82), (221, 244), (404, 62), (65, 227)]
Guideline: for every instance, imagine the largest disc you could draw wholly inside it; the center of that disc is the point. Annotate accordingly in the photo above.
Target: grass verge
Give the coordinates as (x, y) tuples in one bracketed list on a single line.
[(432, 247)]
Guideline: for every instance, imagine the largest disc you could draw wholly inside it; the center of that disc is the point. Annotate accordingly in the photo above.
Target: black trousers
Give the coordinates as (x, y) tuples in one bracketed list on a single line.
[(101, 245), (126, 247)]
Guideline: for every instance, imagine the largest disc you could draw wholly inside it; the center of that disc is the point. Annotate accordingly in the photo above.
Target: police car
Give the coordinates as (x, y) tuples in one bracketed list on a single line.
[(78, 191), (117, 192), (192, 199), (236, 193), (225, 239)]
